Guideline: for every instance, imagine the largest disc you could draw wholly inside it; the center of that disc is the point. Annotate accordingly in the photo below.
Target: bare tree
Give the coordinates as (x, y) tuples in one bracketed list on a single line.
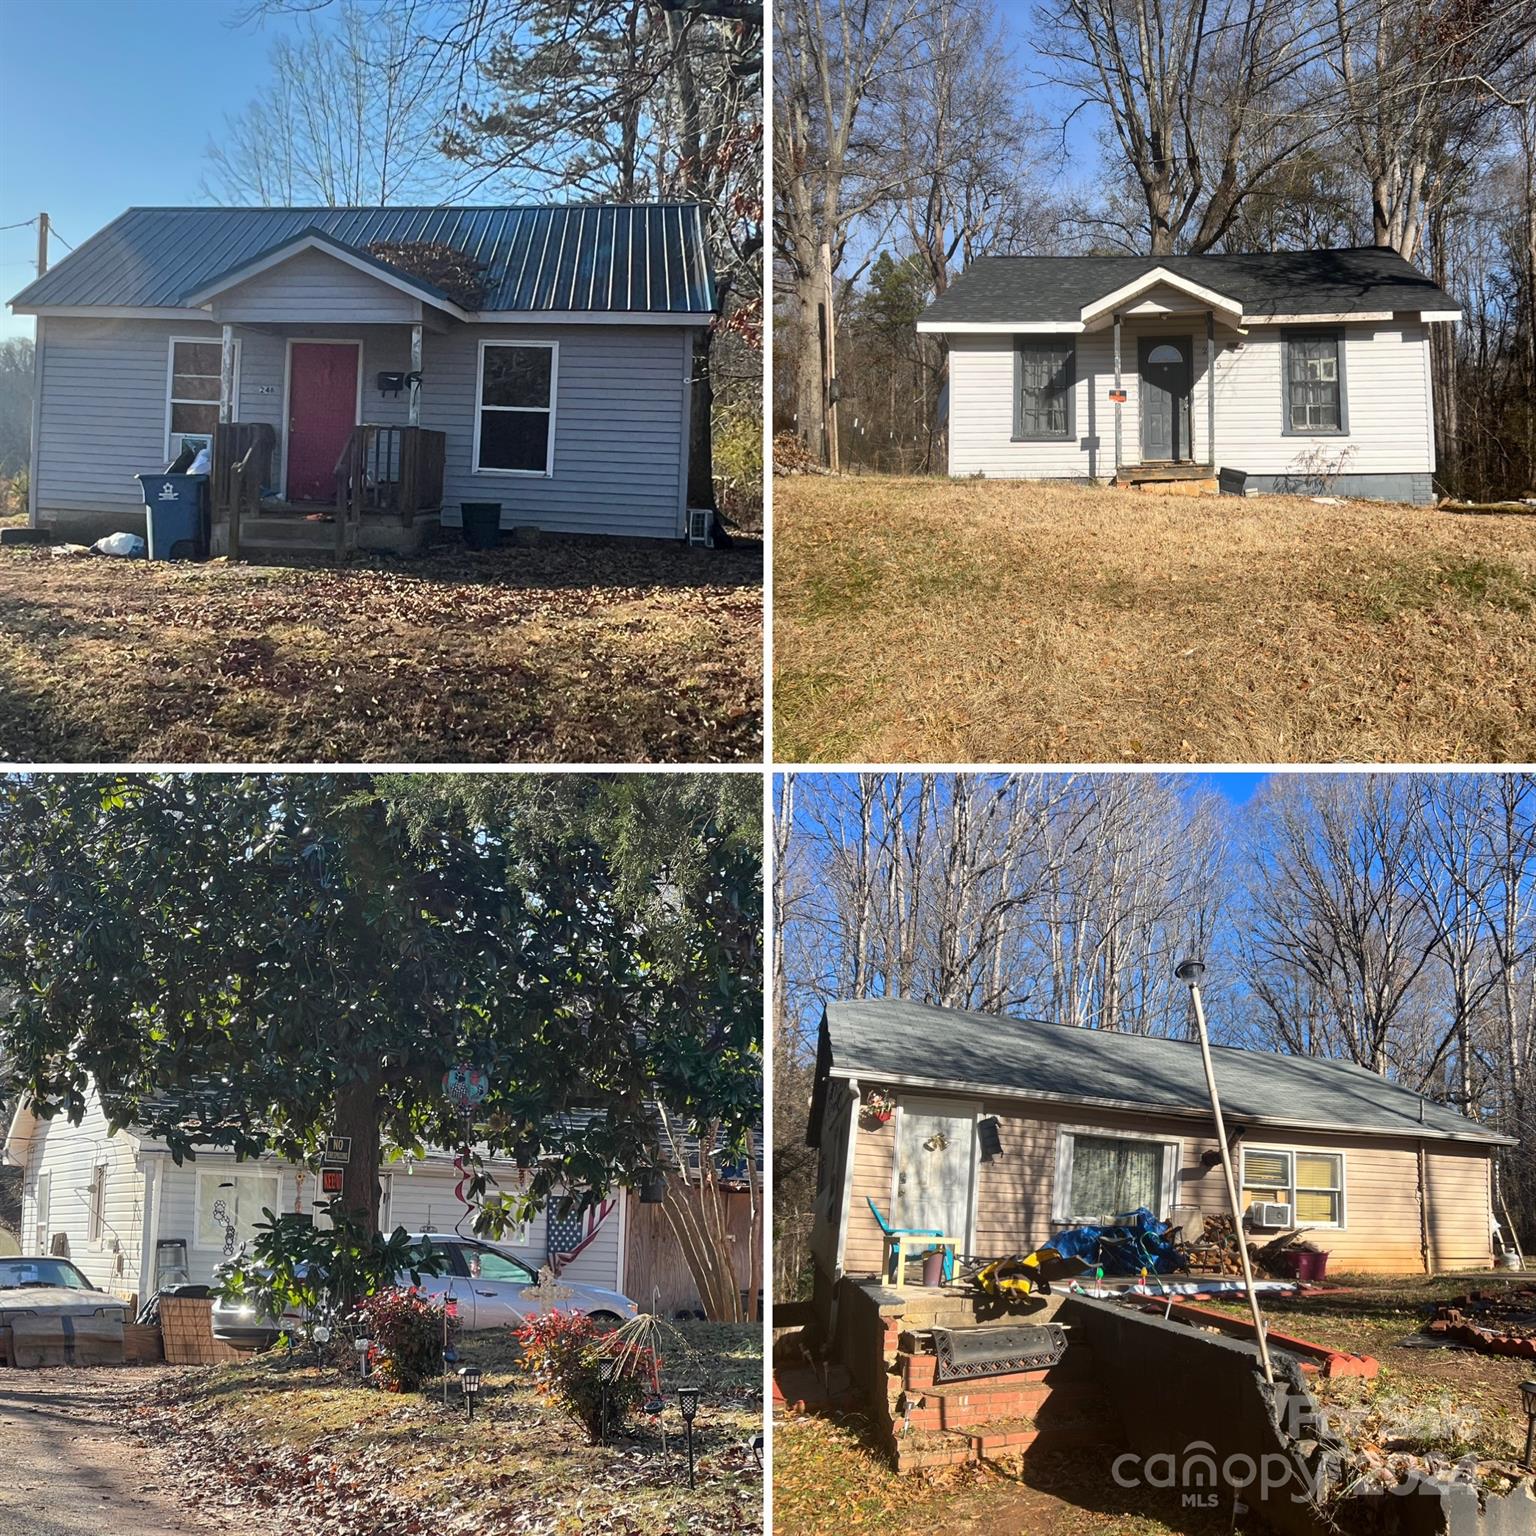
[(1336, 917), (835, 60), (350, 117), (1190, 90)]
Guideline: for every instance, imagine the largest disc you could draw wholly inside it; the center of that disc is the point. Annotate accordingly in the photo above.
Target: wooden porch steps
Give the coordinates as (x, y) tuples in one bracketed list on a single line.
[(1169, 479), (287, 533)]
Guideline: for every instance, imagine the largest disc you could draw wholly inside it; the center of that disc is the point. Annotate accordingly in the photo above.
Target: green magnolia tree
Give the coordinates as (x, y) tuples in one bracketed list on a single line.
[(260, 961)]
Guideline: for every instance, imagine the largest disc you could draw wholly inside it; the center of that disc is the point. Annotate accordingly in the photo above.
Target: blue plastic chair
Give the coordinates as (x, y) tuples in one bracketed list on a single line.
[(890, 1231)]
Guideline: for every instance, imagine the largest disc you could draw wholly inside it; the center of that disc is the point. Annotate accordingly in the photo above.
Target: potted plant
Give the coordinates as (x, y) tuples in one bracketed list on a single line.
[(879, 1106)]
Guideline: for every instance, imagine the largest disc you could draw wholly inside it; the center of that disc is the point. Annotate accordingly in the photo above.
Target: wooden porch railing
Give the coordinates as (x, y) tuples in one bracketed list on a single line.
[(388, 469), (242, 464)]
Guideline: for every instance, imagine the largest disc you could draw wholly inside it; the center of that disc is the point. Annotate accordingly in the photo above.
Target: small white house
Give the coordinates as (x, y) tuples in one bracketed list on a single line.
[(1290, 371), (128, 1216), (393, 363)]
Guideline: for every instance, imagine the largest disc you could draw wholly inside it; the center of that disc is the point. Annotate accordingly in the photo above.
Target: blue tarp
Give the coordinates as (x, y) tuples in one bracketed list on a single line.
[(1137, 1241)]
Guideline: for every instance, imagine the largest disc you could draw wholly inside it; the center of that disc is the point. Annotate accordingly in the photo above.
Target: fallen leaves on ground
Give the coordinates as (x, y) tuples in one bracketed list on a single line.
[(590, 650), (316, 1450)]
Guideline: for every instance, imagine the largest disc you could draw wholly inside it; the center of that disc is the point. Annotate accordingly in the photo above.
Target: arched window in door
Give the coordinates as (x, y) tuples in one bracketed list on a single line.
[(1164, 352)]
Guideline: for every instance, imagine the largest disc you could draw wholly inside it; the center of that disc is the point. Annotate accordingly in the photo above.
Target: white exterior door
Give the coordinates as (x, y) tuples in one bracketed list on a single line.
[(935, 1143)]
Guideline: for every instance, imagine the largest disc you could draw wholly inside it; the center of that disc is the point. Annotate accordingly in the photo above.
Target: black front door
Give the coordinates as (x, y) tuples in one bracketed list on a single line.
[(1165, 371)]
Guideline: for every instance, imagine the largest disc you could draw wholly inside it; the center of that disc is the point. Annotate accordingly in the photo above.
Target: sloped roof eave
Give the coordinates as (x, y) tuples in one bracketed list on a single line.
[(1475, 1133)]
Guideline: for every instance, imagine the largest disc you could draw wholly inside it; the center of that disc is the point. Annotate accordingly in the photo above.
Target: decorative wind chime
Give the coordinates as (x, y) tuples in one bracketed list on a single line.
[(464, 1087)]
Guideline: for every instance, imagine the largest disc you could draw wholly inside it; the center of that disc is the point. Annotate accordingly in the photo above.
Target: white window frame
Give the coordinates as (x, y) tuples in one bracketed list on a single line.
[(96, 1205), (170, 383), (1061, 1190), (1290, 1154), (204, 1212), (42, 1209), (548, 472)]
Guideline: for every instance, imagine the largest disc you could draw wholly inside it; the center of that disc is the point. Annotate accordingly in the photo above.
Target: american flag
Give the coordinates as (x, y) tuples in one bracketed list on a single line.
[(567, 1236)]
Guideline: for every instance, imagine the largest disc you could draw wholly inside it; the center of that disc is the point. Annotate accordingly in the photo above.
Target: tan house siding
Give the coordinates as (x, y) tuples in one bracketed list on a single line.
[(1460, 1204), (874, 1166), (1381, 1232)]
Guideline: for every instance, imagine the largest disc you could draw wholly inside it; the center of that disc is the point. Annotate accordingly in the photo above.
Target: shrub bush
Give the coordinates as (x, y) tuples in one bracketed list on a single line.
[(563, 1355), (406, 1332)]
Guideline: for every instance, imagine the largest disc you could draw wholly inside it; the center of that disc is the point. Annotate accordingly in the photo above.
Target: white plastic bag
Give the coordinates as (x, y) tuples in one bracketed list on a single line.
[(121, 544), (202, 464)]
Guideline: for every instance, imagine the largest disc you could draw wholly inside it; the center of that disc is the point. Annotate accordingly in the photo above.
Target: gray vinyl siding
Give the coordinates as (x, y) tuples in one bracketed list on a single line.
[(1388, 406), (619, 427), (316, 288)]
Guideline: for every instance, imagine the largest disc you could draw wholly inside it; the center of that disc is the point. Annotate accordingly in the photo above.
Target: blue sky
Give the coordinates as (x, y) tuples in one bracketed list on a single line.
[(108, 104)]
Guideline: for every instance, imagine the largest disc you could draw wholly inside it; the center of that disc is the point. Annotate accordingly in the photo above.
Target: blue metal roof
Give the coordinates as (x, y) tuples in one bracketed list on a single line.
[(648, 258)]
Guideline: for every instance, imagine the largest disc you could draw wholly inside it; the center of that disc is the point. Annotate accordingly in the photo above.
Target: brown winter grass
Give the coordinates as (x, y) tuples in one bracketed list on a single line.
[(580, 650), (982, 621)]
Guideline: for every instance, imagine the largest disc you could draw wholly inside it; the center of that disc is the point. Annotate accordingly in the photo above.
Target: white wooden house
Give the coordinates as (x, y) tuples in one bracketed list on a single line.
[(1289, 371), (123, 1211)]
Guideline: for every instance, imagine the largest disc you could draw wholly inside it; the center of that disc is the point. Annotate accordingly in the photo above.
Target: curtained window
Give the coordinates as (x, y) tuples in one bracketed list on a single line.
[(1044, 374), (1112, 1175)]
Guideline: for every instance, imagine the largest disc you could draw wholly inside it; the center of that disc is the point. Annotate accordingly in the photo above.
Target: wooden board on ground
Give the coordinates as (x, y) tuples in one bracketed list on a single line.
[(142, 1346), (44, 1340), (186, 1330)]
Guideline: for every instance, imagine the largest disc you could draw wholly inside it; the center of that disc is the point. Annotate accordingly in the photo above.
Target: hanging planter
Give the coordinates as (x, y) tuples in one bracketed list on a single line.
[(653, 1187), (878, 1108)]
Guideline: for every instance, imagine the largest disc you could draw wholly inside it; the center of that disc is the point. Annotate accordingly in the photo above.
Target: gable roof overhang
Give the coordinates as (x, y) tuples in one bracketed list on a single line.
[(348, 255), (22, 1128), (1101, 311)]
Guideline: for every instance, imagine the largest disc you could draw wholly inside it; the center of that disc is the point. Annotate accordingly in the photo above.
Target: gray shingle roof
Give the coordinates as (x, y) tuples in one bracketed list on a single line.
[(1022, 289), (887, 1040), (637, 257)]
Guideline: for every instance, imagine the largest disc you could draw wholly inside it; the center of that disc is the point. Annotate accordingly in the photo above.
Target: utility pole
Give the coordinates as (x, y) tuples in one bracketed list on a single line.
[(1190, 972), (42, 243)]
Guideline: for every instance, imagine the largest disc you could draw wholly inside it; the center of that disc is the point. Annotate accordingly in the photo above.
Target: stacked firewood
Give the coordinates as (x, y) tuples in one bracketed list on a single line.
[(1216, 1252)]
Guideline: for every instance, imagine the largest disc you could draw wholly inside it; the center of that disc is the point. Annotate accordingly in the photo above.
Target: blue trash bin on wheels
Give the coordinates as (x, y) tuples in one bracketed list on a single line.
[(176, 516)]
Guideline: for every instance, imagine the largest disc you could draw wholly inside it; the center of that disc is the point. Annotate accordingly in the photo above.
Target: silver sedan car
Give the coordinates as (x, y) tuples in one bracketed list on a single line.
[(492, 1286)]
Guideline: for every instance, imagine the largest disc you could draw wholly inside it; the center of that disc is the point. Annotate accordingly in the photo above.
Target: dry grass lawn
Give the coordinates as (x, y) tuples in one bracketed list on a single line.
[(983, 621), (579, 651)]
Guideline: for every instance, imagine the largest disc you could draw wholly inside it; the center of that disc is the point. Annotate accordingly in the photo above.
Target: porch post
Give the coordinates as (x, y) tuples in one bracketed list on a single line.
[(1210, 389), (415, 401), (1117, 392), (227, 375)]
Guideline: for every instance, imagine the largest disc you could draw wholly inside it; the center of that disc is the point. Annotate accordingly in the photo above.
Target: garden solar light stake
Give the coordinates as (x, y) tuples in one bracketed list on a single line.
[(688, 1401), (469, 1385), (1190, 972), (1528, 1400)]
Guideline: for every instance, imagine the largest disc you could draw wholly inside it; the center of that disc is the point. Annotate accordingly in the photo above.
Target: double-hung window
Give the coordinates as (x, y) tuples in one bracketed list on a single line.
[(229, 1207), (192, 392), (1311, 1183), (1314, 382), (1044, 372), (515, 409)]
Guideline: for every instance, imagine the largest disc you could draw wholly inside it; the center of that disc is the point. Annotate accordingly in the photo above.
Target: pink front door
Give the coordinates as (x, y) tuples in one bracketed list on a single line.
[(322, 410)]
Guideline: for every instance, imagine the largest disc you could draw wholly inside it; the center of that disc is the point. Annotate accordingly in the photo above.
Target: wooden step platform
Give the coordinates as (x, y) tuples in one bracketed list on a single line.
[(1181, 479)]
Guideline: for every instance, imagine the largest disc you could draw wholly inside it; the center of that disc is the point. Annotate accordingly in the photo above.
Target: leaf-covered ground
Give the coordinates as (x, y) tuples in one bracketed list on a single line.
[(928, 620), (828, 1481), (574, 651), (1430, 1399), (316, 1451)]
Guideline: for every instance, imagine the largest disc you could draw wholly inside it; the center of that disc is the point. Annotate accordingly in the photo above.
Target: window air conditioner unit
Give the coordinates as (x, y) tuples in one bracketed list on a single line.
[(1270, 1213)]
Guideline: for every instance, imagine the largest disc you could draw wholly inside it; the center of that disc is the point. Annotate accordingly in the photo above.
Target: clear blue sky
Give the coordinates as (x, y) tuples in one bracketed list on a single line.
[(110, 103)]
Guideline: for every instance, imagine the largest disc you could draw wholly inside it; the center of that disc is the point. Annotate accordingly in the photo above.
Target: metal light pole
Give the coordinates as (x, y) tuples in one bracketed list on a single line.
[(1190, 972)]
